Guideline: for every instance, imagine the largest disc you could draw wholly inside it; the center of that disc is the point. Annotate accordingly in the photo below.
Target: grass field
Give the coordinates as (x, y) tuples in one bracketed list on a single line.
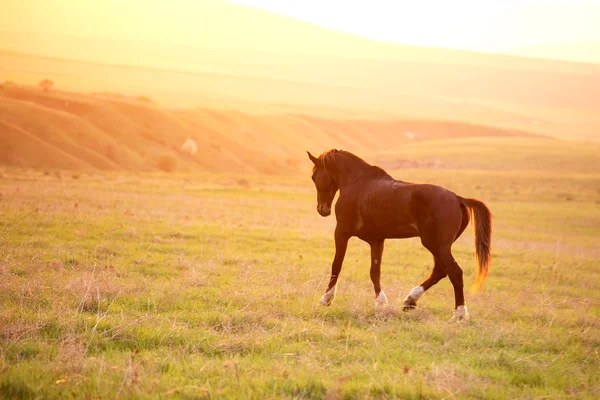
[(206, 286)]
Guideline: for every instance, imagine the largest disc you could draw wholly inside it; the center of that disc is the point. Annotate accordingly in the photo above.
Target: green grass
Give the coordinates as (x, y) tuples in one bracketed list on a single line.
[(137, 286)]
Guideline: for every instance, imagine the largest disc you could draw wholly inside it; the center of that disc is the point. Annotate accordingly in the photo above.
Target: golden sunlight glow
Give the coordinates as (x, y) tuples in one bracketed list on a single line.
[(552, 28), (546, 28)]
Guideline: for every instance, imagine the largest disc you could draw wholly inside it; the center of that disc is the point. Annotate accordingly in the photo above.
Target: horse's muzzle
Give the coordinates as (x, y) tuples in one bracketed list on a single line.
[(323, 210)]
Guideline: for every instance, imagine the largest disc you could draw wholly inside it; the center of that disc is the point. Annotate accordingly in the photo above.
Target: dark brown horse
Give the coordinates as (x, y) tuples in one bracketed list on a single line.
[(373, 206)]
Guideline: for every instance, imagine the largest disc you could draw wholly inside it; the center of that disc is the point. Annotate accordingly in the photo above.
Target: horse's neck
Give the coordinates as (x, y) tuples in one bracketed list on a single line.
[(348, 170)]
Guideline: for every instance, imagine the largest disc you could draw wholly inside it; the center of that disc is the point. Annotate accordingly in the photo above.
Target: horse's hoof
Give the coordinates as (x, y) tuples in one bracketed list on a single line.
[(461, 314), (325, 302), (410, 302), (381, 301), (327, 298)]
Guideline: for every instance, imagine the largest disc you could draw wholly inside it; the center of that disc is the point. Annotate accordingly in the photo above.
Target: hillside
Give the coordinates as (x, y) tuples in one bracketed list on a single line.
[(561, 104), (109, 132)]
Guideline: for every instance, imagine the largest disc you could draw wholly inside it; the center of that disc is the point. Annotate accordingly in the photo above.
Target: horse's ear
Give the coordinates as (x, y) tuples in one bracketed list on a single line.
[(314, 159)]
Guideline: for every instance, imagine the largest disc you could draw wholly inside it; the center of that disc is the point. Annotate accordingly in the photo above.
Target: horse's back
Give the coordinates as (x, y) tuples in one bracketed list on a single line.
[(419, 206), (397, 194)]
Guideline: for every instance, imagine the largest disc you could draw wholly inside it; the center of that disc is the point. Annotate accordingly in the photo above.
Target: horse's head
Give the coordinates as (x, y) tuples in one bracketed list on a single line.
[(325, 184)]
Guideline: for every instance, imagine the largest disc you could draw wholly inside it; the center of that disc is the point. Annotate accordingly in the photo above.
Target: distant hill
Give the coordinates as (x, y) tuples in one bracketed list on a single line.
[(562, 102), (104, 131)]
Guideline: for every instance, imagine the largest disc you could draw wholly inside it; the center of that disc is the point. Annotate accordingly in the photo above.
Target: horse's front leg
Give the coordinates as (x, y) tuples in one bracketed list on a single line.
[(376, 253), (341, 244)]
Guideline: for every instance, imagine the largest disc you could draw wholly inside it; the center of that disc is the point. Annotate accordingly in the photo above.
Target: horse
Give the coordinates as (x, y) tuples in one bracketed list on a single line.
[(374, 207)]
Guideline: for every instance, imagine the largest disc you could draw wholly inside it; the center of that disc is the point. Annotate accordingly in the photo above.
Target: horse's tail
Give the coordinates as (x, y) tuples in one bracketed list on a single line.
[(483, 238)]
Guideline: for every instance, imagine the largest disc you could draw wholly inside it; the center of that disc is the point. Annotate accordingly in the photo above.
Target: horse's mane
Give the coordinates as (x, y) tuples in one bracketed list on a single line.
[(367, 169)]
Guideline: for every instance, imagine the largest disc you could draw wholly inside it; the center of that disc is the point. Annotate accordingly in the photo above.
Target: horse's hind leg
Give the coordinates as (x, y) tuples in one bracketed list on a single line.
[(437, 236), (438, 273), (445, 265), (455, 274)]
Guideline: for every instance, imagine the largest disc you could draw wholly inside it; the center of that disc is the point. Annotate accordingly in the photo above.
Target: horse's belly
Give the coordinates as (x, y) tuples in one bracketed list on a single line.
[(387, 230), (404, 232)]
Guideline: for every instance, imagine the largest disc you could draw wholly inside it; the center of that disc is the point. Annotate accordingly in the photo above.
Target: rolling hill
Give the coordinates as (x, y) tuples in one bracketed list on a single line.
[(556, 103), (67, 130)]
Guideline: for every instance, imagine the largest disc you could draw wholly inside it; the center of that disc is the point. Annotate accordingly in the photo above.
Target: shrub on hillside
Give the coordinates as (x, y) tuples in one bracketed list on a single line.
[(167, 163), (46, 85)]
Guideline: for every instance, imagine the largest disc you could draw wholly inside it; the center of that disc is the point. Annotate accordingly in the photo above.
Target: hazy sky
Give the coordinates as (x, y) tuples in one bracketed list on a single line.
[(484, 25), (481, 25)]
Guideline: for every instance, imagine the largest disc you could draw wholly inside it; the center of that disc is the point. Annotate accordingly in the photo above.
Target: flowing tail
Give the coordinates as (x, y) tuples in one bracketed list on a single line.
[(483, 238)]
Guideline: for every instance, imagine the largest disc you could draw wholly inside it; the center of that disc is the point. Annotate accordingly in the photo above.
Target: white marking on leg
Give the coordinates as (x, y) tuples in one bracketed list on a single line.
[(415, 294), (381, 300), (328, 297), (460, 314)]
